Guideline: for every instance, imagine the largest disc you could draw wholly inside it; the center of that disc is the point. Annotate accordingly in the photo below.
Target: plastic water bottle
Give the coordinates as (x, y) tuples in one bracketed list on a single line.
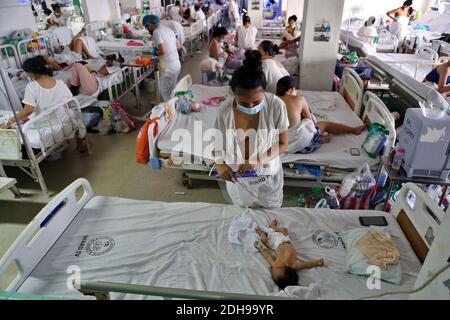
[(398, 158), (382, 179), (331, 198)]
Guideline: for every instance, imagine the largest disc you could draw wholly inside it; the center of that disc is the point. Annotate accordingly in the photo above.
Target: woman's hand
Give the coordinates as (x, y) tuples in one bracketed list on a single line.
[(225, 172), (249, 167)]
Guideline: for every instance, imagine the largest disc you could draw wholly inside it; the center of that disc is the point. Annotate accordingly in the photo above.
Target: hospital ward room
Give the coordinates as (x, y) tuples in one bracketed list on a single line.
[(224, 150)]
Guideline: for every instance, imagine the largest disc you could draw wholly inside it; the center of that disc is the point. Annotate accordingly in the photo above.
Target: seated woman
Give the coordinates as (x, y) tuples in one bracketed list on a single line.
[(41, 94), (368, 32), (251, 136), (441, 77), (246, 34), (273, 69), (222, 52), (298, 110), (291, 32)]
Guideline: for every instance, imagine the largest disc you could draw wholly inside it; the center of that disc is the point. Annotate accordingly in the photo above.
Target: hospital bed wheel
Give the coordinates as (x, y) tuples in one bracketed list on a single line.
[(187, 182)]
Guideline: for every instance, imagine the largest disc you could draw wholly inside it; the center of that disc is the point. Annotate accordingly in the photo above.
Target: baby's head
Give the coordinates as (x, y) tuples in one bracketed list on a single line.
[(284, 276)]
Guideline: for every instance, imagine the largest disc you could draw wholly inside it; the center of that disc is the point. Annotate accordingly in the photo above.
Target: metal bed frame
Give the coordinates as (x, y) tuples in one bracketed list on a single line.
[(416, 220)]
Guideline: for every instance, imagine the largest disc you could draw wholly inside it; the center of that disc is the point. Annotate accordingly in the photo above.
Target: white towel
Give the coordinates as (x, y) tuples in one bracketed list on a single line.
[(242, 232), (305, 293), (301, 135)]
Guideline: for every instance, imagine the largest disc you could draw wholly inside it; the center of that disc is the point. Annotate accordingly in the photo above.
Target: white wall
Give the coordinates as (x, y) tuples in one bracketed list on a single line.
[(318, 59), (256, 16), (366, 8), (295, 7), (129, 5), (101, 10), (14, 16)]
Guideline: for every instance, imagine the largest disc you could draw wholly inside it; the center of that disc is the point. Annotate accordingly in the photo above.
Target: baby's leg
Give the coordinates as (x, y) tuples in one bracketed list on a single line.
[(337, 128)]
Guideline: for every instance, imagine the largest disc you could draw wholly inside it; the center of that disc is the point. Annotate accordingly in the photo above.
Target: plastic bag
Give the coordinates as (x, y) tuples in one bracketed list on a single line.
[(358, 189), (126, 118), (376, 140)]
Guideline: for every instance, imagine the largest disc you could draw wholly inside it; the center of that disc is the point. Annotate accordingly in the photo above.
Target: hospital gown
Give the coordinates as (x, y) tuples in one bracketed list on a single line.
[(265, 190)]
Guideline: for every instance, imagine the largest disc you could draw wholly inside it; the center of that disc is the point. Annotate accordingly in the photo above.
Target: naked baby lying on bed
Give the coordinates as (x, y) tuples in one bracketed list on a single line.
[(285, 265)]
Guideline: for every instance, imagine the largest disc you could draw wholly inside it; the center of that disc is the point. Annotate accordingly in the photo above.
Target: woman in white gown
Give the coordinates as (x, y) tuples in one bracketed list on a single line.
[(400, 18), (251, 135), (272, 68)]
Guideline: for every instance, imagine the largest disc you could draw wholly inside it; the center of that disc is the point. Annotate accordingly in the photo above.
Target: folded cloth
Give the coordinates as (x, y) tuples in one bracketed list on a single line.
[(310, 292), (242, 231), (132, 43), (214, 101), (379, 249)]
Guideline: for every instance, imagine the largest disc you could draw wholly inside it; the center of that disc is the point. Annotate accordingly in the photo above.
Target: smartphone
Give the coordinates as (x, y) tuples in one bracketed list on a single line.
[(354, 152), (373, 221)]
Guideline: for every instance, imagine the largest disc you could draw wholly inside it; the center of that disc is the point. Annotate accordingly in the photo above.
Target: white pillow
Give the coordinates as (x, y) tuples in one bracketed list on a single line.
[(357, 263)]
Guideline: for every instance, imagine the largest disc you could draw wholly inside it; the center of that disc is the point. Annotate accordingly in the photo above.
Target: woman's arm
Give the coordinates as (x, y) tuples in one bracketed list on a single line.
[(391, 14), (442, 85), (22, 114)]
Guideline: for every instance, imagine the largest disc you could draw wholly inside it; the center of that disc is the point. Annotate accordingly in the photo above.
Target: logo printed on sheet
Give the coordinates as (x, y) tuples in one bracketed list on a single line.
[(325, 239), (100, 245)]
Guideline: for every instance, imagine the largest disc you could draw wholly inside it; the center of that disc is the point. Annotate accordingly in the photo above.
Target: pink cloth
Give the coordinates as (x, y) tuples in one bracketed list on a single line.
[(83, 79), (213, 101)]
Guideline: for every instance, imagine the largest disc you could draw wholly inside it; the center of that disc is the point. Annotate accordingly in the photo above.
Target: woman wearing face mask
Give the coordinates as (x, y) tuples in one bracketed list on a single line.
[(216, 49), (246, 34), (253, 134), (273, 69)]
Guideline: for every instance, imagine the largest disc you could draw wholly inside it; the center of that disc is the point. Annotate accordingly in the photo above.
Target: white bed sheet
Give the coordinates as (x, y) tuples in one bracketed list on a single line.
[(331, 106), (408, 63), (204, 119), (184, 245)]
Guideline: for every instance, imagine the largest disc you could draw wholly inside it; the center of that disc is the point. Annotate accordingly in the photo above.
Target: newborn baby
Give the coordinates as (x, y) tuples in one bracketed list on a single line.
[(285, 265)]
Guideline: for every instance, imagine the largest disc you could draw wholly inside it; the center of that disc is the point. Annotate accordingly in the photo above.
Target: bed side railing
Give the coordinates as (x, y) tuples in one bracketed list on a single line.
[(419, 216), (56, 124), (101, 290), (29, 48), (377, 112), (93, 28), (9, 57), (352, 89), (39, 236)]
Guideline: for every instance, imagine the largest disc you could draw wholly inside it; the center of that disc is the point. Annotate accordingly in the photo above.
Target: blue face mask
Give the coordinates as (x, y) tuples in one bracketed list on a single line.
[(251, 111)]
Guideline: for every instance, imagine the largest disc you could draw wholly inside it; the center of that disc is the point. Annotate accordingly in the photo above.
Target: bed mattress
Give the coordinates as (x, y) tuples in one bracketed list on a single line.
[(329, 106), (184, 245)]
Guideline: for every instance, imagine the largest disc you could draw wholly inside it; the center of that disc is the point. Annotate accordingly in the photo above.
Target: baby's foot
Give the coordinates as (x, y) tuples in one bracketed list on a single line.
[(325, 139), (395, 115), (260, 246), (274, 223), (320, 262), (359, 130)]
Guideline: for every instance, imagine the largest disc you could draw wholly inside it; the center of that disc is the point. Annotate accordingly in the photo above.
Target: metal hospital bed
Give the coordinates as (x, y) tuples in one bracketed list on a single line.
[(41, 136), (65, 252), (124, 80), (407, 91), (333, 159)]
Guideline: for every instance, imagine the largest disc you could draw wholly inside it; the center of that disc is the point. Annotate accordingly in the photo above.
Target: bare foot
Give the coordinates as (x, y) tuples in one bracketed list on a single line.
[(274, 223), (260, 246), (395, 115), (325, 139), (320, 262), (359, 130)]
